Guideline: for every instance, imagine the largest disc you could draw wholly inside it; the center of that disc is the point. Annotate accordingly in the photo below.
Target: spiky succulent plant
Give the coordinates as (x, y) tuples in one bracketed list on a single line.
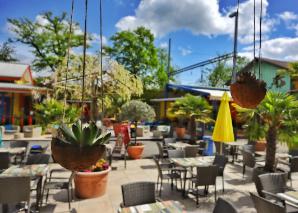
[(87, 134)]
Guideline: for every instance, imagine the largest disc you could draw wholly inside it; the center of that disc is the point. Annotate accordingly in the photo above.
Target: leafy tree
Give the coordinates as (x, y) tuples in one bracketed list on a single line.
[(221, 74), (7, 52), (135, 50), (194, 109), (135, 111), (119, 85), (50, 112), (48, 36), (276, 118)]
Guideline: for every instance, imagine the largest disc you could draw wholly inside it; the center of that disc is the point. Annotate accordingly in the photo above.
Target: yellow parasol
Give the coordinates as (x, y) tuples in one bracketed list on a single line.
[(223, 130)]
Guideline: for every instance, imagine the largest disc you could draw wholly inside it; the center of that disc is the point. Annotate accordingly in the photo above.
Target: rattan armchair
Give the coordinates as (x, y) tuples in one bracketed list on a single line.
[(170, 175), (138, 193), (191, 151), (15, 190), (263, 205), (4, 161), (205, 176), (221, 161), (224, 206), (19, 144)]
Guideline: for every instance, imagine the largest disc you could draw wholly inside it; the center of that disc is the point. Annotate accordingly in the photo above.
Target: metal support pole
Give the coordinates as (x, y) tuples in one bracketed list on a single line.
[(168, 74), (235, 14)]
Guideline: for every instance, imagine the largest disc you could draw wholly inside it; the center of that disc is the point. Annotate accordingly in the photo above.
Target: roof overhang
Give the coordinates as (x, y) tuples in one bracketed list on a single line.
[(20, 88)]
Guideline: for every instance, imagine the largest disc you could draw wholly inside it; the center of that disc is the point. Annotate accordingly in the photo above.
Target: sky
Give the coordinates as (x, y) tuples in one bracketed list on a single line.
[(199, 29)]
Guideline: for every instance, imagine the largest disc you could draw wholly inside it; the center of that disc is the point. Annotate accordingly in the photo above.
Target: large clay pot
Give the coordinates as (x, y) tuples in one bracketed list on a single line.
[(135, 152), (260, 145), (180, 132), (248, 91), (91, 184), (73, 157)]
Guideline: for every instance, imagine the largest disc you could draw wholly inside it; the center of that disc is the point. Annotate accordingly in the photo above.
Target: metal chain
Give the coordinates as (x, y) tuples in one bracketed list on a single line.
[(84, 54), (68, 57), (260, 41)]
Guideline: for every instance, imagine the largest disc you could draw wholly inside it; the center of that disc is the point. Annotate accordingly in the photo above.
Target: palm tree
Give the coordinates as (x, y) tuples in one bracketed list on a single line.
[(276, 116), (194, 109)]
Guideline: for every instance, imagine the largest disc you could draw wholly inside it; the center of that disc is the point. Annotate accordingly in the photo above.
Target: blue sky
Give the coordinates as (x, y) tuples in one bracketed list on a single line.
[(199, 29)]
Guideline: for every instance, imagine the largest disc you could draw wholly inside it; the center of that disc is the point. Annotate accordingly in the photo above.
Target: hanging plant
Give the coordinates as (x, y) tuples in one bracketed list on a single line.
[(79, 147), (248, 91)]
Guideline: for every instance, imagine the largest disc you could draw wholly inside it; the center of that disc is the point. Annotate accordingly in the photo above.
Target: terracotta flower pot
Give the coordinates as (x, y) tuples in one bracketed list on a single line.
[(260, 146), (73, 157), (180, 132), (91, 184), (248, 91), (135, 152)]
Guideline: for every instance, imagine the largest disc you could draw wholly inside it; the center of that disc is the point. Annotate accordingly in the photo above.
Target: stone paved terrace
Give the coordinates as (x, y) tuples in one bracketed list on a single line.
[(237, 188)]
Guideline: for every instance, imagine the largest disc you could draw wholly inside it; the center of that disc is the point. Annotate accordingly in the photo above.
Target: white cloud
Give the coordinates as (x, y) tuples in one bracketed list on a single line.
[(284, 48), (288, 16), (201, 17), (163, 45), (185, 51), (290, 19), (96, 39)]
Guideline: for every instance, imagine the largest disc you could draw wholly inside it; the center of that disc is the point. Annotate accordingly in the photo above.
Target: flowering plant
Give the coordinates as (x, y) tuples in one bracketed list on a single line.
[(101, 165)]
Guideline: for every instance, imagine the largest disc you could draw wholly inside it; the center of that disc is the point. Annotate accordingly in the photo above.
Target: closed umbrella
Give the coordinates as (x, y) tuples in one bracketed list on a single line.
[(223, 130)]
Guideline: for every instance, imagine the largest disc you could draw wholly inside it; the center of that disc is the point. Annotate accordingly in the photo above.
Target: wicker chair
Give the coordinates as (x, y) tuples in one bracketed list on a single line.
[(15, 190), (163, 153), (205, 176), (263, 205), (4, 161), (171, 175), (38, 159), (249, 160), (293, 167), (191, 151), (138, 193), (176, 153), (221, 161), (19, 144), (224, 206), (58, 183)]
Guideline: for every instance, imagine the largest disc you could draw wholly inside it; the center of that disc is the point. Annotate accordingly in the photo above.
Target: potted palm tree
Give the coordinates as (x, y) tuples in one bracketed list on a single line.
[(194, 109), (80, 146), (276, 117), (136, 111)]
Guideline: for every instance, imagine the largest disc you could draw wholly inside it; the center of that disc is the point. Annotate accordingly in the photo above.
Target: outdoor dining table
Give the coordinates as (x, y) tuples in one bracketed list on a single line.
[(190, 163), (14, 151), (235, 147), (178, 145), (169, 206), (35, 171)]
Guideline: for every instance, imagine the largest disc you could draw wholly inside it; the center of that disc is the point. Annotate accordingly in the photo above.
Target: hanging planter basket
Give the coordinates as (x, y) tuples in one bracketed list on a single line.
[(75, 158), (248, 91)]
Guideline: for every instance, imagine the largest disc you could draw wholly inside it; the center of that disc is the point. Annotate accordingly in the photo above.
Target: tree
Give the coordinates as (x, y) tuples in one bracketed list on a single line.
[(194, 109), (119, 85), (7, 52), (221, 74), (276, 117), (135, 50), (135, 111), (48, 36)]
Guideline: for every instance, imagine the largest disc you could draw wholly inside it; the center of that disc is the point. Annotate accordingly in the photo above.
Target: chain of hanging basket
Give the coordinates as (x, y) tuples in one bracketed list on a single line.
[(248, 91), (68, 57)]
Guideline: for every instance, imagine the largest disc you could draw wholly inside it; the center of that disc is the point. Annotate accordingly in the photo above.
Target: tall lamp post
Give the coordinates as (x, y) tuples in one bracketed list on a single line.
[(232, 15)]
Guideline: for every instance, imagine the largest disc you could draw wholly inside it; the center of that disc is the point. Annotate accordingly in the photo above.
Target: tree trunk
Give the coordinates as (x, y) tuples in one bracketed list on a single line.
[(192, 128), (271, 149)]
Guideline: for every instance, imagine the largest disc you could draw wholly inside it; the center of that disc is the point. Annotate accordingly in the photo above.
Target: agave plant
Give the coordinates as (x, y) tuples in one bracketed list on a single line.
[(83, 135)]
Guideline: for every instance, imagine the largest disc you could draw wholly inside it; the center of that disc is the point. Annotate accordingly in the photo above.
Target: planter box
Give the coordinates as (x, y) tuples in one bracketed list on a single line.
[(91, 184)]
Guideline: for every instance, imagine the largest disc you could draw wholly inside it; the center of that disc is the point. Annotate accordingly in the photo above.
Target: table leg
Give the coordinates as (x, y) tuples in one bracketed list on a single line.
[(38, 193), (184, 184)]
